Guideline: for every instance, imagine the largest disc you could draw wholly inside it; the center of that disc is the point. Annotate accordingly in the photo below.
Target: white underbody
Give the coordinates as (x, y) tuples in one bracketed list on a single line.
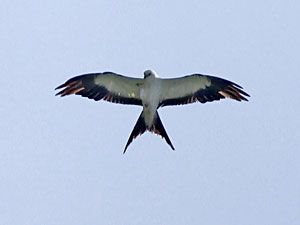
[(150, 93)]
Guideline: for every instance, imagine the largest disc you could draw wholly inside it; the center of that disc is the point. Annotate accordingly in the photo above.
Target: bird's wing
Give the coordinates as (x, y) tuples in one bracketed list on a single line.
[(197, 87), (108, 86)]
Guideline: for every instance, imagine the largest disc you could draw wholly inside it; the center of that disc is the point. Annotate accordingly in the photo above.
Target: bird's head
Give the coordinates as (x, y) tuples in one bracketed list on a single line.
[(149, 73)]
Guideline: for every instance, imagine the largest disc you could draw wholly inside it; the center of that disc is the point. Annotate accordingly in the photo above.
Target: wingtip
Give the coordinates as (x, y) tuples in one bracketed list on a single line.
[(236, 85), (60, 86), (60, 93)]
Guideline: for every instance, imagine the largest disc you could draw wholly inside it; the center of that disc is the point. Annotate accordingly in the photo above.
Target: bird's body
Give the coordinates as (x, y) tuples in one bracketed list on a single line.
[(151, 93)]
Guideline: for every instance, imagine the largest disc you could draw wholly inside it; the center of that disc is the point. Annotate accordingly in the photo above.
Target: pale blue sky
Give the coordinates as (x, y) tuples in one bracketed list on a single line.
[(61, 159)]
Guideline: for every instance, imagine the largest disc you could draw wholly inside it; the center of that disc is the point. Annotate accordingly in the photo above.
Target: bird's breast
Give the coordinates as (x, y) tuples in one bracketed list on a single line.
[(150, 94)]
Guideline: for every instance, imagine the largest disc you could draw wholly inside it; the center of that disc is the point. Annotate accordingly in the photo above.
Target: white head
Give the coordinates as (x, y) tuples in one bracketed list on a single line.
[(148, 73)]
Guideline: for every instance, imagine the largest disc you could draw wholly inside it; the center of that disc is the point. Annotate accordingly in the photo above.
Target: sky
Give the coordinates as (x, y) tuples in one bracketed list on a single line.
[(236, 163)]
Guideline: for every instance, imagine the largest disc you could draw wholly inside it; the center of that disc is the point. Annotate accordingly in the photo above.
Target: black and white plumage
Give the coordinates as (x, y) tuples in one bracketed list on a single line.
[(151, 93)]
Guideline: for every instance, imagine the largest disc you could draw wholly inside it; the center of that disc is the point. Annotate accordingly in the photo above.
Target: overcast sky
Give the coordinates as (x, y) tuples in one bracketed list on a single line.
[(235, 163)]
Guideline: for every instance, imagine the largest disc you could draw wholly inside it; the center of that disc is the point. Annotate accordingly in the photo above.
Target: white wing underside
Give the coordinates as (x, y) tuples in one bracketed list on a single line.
[(184, 86), (120, 85)]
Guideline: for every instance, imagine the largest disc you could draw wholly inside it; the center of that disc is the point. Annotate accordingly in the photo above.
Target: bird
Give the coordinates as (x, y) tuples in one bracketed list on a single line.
[(151, 92)]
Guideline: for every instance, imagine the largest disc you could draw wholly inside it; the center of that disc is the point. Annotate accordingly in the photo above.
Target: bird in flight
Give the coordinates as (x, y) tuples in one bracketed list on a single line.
[(151, 92)]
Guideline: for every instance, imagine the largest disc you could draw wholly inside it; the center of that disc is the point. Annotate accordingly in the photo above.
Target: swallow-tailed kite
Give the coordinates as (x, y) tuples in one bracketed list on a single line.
[(151, 93)]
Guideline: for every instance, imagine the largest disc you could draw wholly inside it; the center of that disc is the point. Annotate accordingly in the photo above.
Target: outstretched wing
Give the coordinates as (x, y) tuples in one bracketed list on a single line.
[(202, 88), (108, 86)]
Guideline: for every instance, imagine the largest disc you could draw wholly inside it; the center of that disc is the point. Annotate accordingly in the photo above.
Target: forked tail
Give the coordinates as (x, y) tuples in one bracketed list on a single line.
[(140, 127)]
